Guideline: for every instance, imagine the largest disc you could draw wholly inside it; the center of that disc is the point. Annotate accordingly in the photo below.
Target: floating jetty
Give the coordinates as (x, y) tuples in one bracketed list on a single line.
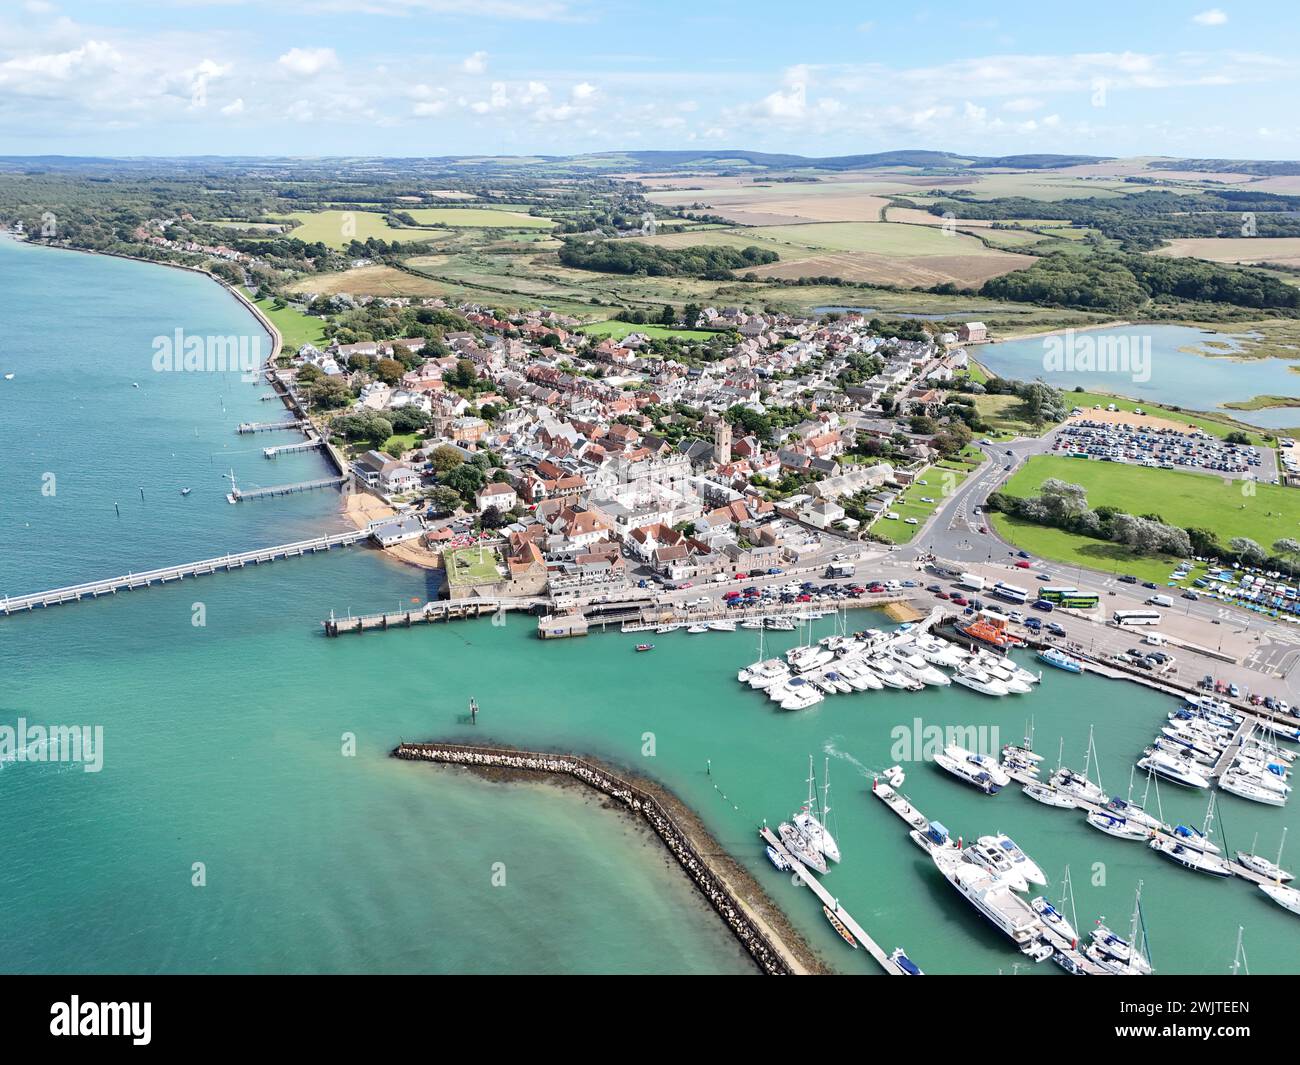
[(913, 818), (271, 427), (166, 574), (747, 927), (831, 903)]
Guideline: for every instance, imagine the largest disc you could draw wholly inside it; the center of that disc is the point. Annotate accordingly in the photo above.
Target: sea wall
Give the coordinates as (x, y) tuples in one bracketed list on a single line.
[(770, 960)]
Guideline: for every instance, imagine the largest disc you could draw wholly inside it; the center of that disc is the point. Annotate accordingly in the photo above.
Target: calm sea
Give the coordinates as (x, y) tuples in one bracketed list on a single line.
[(224, 743)]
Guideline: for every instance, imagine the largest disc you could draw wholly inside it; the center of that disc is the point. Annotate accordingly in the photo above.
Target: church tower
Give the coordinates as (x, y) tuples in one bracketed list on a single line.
[(722, 442)]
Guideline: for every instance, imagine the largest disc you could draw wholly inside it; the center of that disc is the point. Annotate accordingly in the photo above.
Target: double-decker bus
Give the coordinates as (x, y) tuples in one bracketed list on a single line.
[(1069, 597), (1128, 618)]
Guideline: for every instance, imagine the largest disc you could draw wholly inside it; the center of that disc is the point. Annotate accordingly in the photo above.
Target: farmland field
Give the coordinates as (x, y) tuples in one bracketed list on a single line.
[(328, 227), (618, 330), (477, 217), (1282, 250)]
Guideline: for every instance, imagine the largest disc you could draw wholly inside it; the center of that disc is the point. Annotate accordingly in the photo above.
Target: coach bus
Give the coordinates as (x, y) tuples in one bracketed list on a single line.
[(1011, 593), (1129, 618)]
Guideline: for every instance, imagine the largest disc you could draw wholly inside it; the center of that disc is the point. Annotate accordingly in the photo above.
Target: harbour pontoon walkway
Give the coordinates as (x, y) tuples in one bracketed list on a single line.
[(831, 903)]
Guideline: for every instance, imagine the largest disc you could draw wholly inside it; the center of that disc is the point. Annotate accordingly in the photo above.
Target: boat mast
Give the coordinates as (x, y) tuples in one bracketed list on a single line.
[(826, 793), (1240, 961), (1092, 756), (1067, 892), (1279, 856)]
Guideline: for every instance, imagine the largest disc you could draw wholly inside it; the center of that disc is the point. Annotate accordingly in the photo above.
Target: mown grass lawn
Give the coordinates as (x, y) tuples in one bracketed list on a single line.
[(466, 567), (1057, 545), (1268, 513), (295, 327)]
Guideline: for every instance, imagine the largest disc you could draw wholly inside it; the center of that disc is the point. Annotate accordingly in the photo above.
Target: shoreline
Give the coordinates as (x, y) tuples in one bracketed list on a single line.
[(761, 926)]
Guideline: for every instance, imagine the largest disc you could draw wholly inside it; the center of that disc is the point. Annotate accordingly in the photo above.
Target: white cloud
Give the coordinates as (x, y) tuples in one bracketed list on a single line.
[(584, 91), (475, 64), (235, 107), (307, 62), (1022, 103), (426, 108), (1212, 17)]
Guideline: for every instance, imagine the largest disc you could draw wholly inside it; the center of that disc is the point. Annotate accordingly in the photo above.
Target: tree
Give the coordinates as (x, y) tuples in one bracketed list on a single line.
[(444, 500), (466, 479), (1288, 550), (390, 371), (1246, 550), (667, 316), (492, 518), (445, 458)]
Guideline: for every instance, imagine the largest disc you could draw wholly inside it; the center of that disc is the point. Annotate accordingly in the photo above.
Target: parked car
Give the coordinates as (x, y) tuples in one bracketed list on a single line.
[(1033, 624), (932, 588), (1055, 629), (960, 600)]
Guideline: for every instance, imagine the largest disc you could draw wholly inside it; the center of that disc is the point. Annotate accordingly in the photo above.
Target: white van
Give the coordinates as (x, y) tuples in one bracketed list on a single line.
[(1154, 639), (972, 581), (1159, 600)]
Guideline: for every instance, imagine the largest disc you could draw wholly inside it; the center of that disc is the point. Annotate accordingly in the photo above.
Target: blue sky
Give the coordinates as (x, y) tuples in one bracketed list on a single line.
[(458, 77)]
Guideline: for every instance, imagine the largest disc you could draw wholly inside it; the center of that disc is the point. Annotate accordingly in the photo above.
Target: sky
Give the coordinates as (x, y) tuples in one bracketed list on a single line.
[(523, 77)]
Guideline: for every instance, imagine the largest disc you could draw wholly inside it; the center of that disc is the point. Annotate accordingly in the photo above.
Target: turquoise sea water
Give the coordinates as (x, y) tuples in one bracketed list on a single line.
[(1176, 377), (223, 743)]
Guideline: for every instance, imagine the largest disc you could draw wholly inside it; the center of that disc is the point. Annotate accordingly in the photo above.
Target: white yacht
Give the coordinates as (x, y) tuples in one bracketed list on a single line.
[(919, 668), (996, 862), (1119, 827), (939, 652), (1286, 897), (807, 821), (977, 680), (797, 844), (1053, 916), (1190, 857), (795, 693), (722, 626), (1176, 770), (1133, 814), (1000, 664), (833, 680), (1245, 787), (695, 630), (1258, 864), (1116, 954), (764, 674), (991, 896), (1020, 861), (891, 675), (804, 659), (859, 676), (779, 624), (1078, 786), (1049, 796), (977, 769)]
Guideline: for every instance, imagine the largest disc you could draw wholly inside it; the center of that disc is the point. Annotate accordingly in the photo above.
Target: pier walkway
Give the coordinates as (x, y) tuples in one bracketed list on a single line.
[(439, 610), (288, 449), (270, 427), (831, 903), (1244, 731), (739, 916), (113, 585), (241, 495)]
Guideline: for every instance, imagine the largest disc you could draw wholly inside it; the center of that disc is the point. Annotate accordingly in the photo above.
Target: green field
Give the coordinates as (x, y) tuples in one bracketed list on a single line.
[(1004, 413), (295, 327), (1185, 499), (1057, 545), (329, 227), (618, 330), (464, 566), (477, 217)]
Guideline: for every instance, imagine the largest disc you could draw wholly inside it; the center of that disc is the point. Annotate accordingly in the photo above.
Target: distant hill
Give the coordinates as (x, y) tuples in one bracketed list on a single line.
[(875, 160)]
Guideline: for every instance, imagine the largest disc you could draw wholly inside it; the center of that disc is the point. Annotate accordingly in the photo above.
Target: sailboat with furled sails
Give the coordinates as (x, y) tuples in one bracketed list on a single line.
[(807, 820)]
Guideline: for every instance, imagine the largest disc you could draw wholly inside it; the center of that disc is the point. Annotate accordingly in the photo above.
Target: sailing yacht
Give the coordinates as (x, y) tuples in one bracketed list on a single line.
[(1119, 827), (799, 847), (806, 820), (1049, 796), (1124, 957), (1198, 861), (1250, 787), (1258, 864), (1054, 916)]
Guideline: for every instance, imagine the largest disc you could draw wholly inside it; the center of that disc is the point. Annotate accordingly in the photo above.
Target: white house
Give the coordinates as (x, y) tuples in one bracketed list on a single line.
[(501, 496)]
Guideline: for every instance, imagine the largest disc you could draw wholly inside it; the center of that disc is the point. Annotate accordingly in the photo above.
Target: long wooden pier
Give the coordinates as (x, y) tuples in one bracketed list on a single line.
[(831, 903), (270, 427), (739, 916), (240, 495), (166, 574)]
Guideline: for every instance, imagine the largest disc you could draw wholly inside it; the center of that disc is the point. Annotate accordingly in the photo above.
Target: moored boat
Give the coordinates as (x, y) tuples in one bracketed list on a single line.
[(1058, 659)]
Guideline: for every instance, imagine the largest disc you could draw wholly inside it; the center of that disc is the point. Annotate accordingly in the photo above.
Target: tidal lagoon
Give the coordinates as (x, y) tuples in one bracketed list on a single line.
[(257, 748)]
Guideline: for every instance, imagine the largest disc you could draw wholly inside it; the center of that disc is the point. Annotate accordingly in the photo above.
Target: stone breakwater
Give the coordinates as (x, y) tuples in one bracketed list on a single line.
[(754, 935)]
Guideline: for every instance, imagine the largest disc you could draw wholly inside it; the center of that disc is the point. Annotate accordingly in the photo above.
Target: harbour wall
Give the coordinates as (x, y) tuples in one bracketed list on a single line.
[(770, 958)]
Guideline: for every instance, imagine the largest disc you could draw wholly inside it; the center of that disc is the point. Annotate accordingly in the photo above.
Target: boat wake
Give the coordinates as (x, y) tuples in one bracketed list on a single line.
[(829, 748)]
